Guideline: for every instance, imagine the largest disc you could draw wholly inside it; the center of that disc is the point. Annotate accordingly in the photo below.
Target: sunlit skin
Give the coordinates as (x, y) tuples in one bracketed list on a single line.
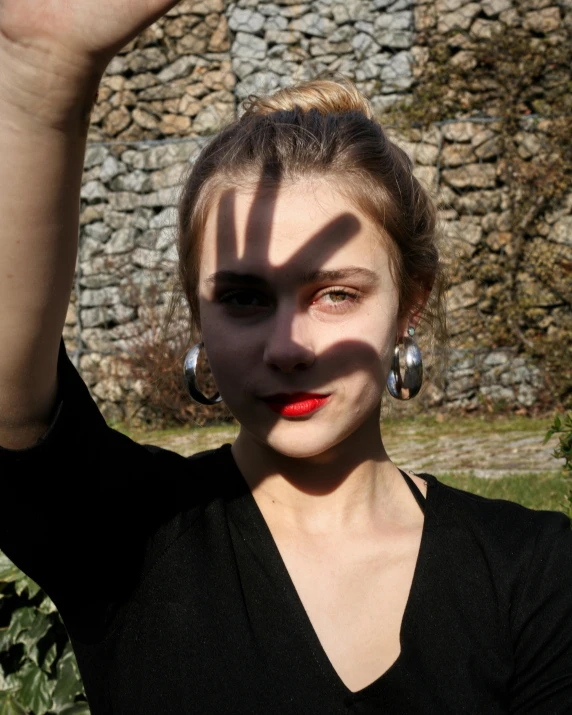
[(296, 295)]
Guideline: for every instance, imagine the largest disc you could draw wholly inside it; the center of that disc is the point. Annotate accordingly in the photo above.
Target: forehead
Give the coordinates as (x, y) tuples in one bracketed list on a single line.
[(306, 226)]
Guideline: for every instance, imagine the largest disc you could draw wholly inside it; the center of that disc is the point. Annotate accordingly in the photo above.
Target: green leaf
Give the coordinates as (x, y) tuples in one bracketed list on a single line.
[(69, 681), (9, 572), (47, 606), (8, 682), (9, 706), (21, 620), (26, 583), (35, 691), (30, 637), (76, 709), (49, 658), (557, 422)]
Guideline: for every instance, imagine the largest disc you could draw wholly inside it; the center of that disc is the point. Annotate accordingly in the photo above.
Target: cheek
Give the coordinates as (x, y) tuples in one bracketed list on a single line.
[(231, 356)]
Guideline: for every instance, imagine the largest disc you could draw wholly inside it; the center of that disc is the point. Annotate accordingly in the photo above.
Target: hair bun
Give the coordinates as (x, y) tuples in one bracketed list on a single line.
[(324, 95)]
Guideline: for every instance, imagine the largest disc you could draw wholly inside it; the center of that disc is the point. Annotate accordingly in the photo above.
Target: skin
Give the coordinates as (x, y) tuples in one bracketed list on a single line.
[(52, 54), (342, 517)]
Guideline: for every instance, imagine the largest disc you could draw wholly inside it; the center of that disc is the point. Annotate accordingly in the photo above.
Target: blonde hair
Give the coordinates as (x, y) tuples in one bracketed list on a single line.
[(321, 128)]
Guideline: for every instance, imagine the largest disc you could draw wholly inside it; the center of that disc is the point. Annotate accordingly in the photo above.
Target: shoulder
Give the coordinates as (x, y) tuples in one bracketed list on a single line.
[(476, 511), (504, 537)]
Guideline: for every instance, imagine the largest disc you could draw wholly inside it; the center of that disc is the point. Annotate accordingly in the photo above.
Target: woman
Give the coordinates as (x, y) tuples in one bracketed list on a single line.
[(298, 570)]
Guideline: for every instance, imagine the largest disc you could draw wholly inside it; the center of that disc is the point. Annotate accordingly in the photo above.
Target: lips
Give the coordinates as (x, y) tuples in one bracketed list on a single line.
[(296, 404)]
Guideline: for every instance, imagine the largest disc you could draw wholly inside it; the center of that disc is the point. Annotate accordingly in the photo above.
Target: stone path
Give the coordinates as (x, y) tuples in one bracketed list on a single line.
[(471, 447)]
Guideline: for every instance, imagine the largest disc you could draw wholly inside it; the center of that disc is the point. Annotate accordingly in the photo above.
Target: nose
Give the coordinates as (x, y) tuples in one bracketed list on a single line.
[(288, 344)]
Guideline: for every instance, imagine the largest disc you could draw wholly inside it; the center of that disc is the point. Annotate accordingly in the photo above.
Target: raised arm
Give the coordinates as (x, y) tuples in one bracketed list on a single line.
[(52, 56)]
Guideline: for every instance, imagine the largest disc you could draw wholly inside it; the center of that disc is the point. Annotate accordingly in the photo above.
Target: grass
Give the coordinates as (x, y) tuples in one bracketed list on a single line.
[(537, 490)]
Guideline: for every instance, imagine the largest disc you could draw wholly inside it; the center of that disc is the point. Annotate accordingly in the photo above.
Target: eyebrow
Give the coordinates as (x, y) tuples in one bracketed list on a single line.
[(317, 276)]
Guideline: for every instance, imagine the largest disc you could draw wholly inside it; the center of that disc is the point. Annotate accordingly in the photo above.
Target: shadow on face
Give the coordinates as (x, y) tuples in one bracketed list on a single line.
[(299, 307)]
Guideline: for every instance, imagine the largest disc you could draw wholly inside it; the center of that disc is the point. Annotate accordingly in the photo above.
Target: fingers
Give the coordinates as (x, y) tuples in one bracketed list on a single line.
[(324, 244), (226, 241), (259, 225)]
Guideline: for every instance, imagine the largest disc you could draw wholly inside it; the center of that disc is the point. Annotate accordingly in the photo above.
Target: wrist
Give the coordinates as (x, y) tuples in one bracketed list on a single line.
[(46, 87)]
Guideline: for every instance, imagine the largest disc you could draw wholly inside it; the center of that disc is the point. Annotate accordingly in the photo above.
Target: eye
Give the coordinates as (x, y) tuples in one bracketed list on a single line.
[(244, 301), (336, 300)]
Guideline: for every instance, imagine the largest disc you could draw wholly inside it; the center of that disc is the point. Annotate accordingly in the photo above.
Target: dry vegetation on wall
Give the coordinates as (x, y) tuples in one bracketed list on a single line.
[(516, 68), (153, 369)]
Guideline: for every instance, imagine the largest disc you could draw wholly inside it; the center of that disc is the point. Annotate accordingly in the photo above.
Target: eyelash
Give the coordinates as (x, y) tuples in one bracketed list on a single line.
[(344, 305), (352, 297)]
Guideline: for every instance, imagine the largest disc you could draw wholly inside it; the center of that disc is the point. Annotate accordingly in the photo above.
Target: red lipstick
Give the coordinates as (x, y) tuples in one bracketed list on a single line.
[(297, 404)]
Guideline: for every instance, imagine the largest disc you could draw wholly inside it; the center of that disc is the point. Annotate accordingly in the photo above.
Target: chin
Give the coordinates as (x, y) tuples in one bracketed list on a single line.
[(303, 440)]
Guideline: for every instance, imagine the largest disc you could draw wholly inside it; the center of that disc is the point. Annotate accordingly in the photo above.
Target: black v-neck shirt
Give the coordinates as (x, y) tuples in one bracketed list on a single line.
[(177, 600)]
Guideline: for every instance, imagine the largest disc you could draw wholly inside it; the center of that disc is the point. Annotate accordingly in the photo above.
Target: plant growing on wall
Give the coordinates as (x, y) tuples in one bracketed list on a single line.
[(563, 428), (516, 69), (38, 670)]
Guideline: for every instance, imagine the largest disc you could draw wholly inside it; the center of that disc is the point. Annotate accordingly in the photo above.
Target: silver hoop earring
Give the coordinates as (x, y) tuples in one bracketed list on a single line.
[(409, 386), (190, 374)]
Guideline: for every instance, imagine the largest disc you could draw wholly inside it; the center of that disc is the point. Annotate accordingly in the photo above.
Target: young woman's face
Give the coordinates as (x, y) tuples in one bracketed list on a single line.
[(299, 314)]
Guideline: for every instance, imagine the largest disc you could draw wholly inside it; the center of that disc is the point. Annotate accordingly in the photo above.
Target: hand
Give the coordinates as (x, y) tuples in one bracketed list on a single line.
[(84, 31)]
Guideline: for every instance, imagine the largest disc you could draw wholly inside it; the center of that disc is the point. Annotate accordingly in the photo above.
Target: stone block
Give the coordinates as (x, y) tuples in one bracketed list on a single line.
[(220, 39), (122, 241), (498, 393), (364, 45), (399, 39), (461, 296), (461, 131), (249, 46), (136, 181), (175, 124), (445, 6), (427, 177), (93, 190), (108, 390), (163, 156), (95, 156), (99, 280), (461, 386), (461, 19), (245, 20), (496, 358), (167, 217), (96, 298), (495, 7), (258, 83), (485, 29), (561, 231), (313, 24), (543, 21), (457, 155), (181, 68), (146, 258), (146, 60), (480, 176), (394, 21)]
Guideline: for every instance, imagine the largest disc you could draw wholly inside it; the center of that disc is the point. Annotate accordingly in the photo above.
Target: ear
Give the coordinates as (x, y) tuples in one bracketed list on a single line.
[(412, 316)]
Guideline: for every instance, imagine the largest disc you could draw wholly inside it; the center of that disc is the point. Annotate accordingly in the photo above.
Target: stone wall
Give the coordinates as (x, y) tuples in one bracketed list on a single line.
[(180, 81)]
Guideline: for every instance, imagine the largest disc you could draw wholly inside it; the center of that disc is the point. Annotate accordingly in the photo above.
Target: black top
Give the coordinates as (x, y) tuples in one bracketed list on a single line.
[(177, 600)]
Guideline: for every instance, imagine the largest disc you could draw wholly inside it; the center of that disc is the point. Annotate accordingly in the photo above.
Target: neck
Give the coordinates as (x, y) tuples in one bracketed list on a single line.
[(347, 487)]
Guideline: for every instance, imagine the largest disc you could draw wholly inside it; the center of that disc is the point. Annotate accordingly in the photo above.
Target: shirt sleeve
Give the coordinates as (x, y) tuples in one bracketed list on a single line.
[(542, 625), (80, 506)]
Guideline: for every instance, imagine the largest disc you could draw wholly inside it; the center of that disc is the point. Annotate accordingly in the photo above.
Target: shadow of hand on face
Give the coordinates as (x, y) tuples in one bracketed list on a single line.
[(339, 360)]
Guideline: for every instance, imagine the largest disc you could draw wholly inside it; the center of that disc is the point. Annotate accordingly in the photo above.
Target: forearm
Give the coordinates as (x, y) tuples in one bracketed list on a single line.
[(44, 115)]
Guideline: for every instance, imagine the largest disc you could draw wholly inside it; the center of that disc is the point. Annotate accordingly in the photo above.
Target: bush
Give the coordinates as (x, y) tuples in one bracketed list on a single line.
[(564, 450), (38, 670)]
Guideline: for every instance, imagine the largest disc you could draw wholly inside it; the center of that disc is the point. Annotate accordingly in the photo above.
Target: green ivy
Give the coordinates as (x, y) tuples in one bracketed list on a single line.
[(38, 670), (522, 77), (563, 427)]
